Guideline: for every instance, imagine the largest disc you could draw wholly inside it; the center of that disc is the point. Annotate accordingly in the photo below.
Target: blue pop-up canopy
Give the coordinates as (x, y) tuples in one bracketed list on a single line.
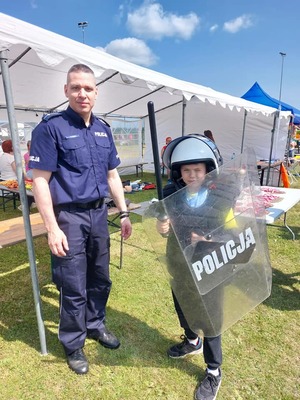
[(258, 95)]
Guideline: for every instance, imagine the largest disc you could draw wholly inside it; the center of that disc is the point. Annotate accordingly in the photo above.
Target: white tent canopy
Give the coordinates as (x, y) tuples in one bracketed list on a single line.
[(39, 60)]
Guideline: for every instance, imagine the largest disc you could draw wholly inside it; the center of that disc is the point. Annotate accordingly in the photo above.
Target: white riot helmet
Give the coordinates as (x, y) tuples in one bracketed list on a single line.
[(191, 149)]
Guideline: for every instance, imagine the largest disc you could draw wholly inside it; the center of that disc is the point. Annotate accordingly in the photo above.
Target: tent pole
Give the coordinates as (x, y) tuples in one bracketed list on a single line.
[(276, 115), (23, 196), (289, 139), (183, 116), (244, 129), (157, 111)]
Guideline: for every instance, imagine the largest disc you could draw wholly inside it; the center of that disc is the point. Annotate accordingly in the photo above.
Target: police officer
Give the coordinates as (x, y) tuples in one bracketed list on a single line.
[(74, 162)]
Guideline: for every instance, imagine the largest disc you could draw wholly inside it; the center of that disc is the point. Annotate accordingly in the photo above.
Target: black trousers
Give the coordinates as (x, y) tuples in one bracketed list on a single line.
[(82, 276), (212, 348)]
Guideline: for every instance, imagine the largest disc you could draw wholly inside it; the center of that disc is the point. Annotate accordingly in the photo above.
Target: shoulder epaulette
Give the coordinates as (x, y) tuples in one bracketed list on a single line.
[(104, 122), (46, 117)]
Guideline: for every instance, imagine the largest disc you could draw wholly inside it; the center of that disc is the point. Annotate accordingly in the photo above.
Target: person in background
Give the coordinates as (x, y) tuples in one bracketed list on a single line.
[(296, 137), (168, 140), (209, 135), (8, 169), (28, 171), (74, 162), (292, 144), (190, 158)]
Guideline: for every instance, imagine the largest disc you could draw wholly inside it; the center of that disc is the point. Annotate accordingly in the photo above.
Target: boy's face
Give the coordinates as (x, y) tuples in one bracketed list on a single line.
[(193, 174)]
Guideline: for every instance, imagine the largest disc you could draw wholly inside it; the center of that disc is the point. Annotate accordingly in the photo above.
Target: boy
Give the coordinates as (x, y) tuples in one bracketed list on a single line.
[(197, 212)]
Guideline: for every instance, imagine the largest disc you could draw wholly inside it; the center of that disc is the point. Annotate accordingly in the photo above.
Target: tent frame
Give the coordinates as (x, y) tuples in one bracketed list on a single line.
[(23, 196)]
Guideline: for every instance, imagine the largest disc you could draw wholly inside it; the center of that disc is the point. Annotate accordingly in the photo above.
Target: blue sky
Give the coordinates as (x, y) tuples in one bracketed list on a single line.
[(224, 44)]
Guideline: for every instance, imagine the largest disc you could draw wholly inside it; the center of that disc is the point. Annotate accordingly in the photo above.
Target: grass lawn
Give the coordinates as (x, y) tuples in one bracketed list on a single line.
[(261, 352)]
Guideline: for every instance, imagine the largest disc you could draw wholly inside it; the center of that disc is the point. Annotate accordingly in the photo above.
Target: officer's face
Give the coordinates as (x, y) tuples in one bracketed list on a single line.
[(81, 91), (193, 175)]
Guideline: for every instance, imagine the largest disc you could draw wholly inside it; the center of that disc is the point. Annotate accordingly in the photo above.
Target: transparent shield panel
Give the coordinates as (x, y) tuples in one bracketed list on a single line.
[(215, 251)]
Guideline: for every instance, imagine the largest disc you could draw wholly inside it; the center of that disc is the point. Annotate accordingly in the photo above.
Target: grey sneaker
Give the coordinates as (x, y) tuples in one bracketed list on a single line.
[(209, 387), (185, 348)]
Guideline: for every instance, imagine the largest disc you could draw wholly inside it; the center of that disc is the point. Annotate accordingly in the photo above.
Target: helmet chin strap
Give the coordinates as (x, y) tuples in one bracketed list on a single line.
[(177, 179)]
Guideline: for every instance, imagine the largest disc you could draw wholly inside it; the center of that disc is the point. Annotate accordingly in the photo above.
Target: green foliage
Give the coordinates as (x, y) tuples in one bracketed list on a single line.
[(260, 351)]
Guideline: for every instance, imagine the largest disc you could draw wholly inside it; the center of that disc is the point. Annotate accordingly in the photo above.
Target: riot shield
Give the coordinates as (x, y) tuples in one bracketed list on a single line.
[(216, 252)]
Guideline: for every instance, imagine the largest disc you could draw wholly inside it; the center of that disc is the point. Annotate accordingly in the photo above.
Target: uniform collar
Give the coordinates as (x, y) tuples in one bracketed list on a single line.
[(77, 118)]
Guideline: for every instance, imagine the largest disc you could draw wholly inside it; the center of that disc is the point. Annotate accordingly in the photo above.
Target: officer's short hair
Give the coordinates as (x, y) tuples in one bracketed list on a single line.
[(81, 68)]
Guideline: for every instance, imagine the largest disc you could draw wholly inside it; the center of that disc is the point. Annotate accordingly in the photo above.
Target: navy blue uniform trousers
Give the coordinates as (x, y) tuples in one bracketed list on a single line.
[(82, 276)]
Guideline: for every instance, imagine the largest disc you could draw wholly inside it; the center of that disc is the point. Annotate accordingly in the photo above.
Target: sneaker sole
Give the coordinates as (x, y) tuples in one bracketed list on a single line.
[(192, 353)]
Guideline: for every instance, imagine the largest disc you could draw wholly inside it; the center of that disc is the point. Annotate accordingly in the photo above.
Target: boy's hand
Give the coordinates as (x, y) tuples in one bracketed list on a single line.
[(197, 238), (163, 226)]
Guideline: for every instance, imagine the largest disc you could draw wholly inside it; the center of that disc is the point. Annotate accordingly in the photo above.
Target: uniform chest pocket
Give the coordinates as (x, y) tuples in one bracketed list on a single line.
[(75, 151), (102, 148), (102, 141)]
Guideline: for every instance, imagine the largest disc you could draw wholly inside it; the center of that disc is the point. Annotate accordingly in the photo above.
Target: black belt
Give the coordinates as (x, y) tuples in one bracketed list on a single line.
[(85, 206)]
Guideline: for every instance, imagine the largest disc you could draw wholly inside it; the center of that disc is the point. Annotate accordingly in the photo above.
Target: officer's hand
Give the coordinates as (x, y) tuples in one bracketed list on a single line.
[(126, 228), (163, 227), (58, 242)]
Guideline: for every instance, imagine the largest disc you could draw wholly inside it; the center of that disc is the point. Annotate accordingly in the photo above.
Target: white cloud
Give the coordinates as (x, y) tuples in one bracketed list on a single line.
[(235, 25), (121, 10), (133, 50), (213, 28), (151, 21), (33, 4), (118, 17)]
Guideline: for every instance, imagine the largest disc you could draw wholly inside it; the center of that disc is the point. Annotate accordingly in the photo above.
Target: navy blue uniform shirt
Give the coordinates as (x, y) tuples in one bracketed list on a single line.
[(79, 157)]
